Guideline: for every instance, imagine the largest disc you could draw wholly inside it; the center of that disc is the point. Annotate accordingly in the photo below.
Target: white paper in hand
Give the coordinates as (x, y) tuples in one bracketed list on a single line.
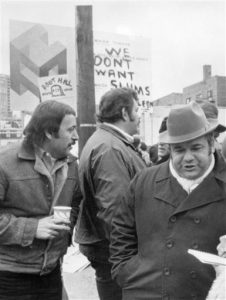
[(208, 258)]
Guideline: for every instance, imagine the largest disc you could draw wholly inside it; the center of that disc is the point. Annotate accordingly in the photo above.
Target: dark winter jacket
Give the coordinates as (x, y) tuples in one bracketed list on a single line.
[(155, 225)]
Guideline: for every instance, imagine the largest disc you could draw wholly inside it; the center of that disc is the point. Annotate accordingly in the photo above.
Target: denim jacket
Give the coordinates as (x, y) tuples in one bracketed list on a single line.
[(26, 197)]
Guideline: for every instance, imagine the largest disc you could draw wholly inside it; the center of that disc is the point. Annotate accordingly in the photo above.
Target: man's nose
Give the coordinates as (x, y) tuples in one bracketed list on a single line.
[(75, 135), (188, 156)]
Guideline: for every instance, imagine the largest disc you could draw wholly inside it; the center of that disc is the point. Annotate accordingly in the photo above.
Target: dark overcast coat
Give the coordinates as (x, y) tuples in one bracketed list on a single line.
[(155, 225)]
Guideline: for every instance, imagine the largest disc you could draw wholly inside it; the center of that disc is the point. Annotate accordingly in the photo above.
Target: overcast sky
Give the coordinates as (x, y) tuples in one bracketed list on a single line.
[(184, 35)]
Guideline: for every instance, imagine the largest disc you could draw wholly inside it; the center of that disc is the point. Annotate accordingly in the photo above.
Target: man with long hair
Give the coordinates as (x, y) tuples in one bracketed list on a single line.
[(35, 175)]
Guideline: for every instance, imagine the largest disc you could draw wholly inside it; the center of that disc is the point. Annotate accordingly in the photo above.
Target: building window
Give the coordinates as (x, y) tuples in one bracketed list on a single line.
[(188, 100), (209, 94), (198, 96)]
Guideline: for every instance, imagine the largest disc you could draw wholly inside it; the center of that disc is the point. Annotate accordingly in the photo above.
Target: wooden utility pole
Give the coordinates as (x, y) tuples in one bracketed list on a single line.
[(85, 74)]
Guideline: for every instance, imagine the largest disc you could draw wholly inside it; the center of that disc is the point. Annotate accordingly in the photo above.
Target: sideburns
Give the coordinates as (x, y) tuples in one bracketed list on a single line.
[(210, 150), (131, 118)]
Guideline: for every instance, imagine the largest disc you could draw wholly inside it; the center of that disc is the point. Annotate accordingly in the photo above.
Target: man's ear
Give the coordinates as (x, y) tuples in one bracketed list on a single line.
[(124, 114), (212, 146), (213, 149)]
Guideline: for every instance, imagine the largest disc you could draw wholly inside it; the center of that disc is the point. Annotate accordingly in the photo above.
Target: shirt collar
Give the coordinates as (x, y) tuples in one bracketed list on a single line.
[(43, 154), (125, 134), (187, 184)]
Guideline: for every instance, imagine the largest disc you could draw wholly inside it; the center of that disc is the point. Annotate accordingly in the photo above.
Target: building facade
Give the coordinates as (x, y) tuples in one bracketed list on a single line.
[(168, 100), (10, 127), (5, 106), (211, 88)]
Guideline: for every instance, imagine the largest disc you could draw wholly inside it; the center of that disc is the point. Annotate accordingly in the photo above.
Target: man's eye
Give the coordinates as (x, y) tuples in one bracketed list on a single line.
[(179, 150), (197, 148)]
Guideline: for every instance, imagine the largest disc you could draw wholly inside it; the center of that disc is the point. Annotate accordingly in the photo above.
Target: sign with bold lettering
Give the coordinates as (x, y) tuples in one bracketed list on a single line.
[(55, 87), (122, 61), (40, 53)]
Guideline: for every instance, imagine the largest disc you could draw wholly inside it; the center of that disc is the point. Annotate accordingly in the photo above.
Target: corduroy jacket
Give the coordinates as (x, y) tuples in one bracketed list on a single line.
[(26, 197)]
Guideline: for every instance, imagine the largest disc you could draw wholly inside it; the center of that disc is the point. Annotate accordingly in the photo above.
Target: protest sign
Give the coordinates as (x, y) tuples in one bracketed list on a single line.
[(122, 61)]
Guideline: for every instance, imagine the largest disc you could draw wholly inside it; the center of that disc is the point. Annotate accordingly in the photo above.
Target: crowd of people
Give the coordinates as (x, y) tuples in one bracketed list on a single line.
[(135, 210)]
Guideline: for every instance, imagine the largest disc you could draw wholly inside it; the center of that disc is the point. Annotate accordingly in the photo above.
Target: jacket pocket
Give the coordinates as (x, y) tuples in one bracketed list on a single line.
[(127, 271), (23, 255)]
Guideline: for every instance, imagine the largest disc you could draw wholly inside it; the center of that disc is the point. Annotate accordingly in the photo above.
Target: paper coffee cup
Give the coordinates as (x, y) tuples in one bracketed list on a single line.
[(62, 212)]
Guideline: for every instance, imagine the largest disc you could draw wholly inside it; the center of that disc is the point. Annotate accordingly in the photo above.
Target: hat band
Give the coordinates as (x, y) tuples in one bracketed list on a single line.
[(189, 136)]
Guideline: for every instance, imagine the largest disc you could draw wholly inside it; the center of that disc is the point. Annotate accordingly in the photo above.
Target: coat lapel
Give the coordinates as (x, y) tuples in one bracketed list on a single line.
[(207, 192), (167, 188), (212, 189)]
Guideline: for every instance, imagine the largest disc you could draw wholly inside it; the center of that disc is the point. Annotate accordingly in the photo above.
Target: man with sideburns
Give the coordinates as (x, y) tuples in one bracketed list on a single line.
[(35, 175), (107, 164), (168, 209)]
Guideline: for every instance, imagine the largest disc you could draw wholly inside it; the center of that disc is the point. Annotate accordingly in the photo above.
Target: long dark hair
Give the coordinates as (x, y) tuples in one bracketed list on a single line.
[(47, 117)]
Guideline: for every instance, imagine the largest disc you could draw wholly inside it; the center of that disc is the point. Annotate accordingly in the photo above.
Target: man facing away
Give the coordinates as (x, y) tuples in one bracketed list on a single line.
[(163, 148), (107, 164), (36, 175), (170, 208)]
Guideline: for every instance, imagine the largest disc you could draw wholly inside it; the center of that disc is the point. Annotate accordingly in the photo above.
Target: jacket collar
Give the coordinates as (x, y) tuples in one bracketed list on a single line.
[(212, 189), (116, 133), (27, 152)]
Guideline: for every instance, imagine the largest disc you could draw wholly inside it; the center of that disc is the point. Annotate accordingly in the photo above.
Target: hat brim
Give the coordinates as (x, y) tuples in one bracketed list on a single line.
[(164, 137), (220, 128)]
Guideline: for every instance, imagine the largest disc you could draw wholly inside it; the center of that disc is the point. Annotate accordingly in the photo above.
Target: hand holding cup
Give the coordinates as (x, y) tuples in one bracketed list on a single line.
[(62, 213)]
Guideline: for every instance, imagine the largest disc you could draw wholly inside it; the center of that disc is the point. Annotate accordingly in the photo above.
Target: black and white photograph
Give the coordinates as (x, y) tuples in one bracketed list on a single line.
[(113, 150)]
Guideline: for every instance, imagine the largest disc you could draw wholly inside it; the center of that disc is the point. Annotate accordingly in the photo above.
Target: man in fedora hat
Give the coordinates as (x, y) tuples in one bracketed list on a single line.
[(168, 209), (211, 113)]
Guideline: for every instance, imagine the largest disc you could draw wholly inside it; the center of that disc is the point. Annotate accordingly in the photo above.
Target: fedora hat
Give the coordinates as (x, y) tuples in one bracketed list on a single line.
[(163, 126), (211, 113), (186, 123)]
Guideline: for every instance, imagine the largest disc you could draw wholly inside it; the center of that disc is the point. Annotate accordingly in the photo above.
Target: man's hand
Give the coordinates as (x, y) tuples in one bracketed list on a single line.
[(218, 288), (49, 228), (221, 248)]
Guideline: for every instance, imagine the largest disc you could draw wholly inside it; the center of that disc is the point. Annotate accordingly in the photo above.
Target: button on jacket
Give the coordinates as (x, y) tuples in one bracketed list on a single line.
[(107, 164), (156, 224), (25, 197)]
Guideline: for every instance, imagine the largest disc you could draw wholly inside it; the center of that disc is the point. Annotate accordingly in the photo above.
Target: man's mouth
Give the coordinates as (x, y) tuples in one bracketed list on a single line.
[(71, 144), (189, 167)]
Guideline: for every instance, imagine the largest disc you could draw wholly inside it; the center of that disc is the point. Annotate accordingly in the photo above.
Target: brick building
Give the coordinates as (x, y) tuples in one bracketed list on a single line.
[(211, 88)]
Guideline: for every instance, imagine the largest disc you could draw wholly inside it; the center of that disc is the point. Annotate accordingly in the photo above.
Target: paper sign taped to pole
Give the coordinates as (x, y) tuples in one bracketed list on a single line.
[(55, 87)]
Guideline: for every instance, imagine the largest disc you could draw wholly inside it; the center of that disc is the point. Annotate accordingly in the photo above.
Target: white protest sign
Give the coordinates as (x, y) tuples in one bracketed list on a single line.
[(122, 61)]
